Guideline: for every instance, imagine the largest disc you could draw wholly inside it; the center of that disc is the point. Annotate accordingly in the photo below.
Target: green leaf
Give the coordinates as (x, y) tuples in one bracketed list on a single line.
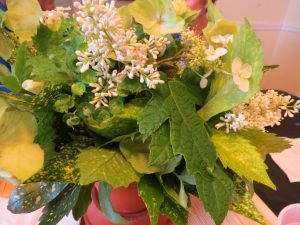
[(30, 197), (83, 202), (2, 18), (137, 153), (270, 67), (243, 203), (176, 213), (78, 88), (239, 155), (106, 207), (105, 165), (160, 147), (214, 13), (7, 45), (247, 47), (63, 103), (215, 190), (153, 115), (188, 133), (152, 194), (11, 83), (131, 86), (62, 168), (60, 206), (19, 67), (120, 124), (265, 143)]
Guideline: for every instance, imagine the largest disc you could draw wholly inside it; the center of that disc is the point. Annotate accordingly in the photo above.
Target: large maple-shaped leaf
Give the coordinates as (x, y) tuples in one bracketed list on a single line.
[(215, 190), (226, 94), (239, 155), (105, 165)]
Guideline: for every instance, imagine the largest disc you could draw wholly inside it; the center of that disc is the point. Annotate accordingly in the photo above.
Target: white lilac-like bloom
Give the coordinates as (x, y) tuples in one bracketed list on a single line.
[(107, 40), (53, 19), (222, 39), (241, 74), (232, 121), (214, 54)]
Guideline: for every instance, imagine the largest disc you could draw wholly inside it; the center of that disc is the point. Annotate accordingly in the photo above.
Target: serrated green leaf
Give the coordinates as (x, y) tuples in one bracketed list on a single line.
[(160, 147), (239, 155), (243, 203), (247, 47), (131, 86), (105, 203), (137, 153), (60, 206), (265, 143), (214, 13), (105, 165), (19, 67), (62, 168), (152, 194), (30, 197), (83, 202), (120, 124), (215, 190), (188, 133), (176, 213)]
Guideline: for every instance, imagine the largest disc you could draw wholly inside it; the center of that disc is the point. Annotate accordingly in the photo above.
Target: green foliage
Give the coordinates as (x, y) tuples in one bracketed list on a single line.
[(248, 48), (214, 13), (2, 18), (83, 202), (60, 206), (245, 160), (6, 48), (131, 86), (63, 103), (105, 165), (152, 194), (20, 66), (30, 197), (78, 88), (176, 213), (243, 203), (106, 207), (264, 142), (215, 190)]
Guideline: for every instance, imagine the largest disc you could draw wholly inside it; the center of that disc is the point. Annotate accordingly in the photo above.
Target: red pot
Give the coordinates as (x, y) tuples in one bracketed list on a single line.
[(126, 202)]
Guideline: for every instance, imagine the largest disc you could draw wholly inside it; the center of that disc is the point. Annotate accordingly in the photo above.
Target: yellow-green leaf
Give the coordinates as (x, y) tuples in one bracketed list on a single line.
[(239, 155)]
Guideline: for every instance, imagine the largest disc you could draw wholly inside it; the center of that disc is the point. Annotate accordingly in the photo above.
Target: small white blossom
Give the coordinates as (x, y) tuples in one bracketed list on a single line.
[(241, 74), (233, 122), (204, 80), (214, 54), (222, 39), (52, 19)]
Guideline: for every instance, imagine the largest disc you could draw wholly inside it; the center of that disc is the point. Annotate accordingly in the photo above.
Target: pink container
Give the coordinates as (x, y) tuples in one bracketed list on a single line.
[(290, 215)]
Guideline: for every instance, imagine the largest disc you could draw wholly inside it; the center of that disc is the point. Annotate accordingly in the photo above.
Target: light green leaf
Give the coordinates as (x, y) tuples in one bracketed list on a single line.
[(60, 206), (215, 190), (126, 18), (30, 197), (248, 48), (106, 207), (175, 212), (83, 202), (214, 13), (158, 17), (137, 153), (11, 82), (19, 67), (152, 194), (239, 155), (188, 133), (105, 165), (18, 154), (264, 142)]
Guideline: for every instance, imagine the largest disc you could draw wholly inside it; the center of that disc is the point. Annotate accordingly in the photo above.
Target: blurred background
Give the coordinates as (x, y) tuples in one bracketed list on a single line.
[(277, 23)]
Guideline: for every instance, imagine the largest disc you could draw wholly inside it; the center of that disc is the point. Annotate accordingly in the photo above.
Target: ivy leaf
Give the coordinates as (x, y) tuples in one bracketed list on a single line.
[(214, 13), (105, 165), (243, 203), (62, 168), (61, 205), (175, 212), (247, 46), (188, 133), (152, 194), (83, 202), (265, 143), (104, 199), (245, 161), (30, 197), (215, 190), (160, 147)]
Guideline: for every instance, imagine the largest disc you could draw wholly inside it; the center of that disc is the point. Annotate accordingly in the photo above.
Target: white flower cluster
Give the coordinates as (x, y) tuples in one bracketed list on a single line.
[(263, 110), (52, 19), (107, 40)]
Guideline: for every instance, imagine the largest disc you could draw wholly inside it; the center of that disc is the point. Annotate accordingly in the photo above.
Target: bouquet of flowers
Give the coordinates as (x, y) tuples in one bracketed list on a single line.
[(133, 95)]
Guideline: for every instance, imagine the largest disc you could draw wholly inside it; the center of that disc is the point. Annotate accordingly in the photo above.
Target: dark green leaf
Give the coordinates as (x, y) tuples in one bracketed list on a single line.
[(30, 197), (152, 194), (61, 206), (83, 202), (104, 199), (176, 213), (215, 190), (131, 86)]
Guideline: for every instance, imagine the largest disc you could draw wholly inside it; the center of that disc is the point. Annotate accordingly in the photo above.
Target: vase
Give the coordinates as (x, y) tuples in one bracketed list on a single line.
[(126, 202)]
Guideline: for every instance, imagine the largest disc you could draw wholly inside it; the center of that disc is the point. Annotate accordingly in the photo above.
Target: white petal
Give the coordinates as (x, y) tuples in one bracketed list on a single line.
[(236, 65), (203, 83), (221, 51), (246, 71), (244, 85)]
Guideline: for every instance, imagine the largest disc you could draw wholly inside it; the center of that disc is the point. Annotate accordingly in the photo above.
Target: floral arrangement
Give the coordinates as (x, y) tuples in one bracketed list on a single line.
[(132, 95)]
